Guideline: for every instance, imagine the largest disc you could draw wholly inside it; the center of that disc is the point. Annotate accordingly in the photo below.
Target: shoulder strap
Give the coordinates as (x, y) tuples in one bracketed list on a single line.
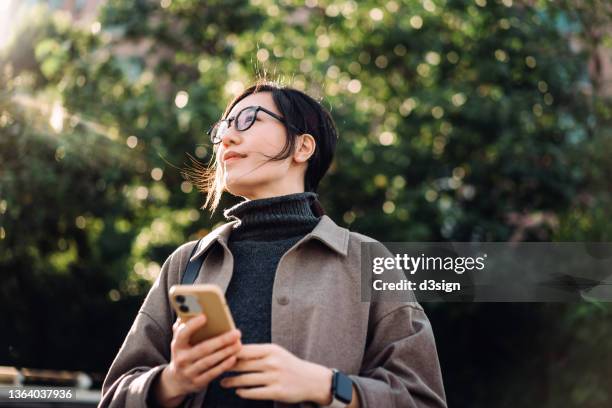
[(193, 267)]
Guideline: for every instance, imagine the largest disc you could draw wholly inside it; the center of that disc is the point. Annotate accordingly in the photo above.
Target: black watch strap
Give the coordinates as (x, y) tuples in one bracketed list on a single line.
[(342, 389)]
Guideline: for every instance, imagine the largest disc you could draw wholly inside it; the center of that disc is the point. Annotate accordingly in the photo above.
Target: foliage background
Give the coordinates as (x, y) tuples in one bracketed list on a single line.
[(459, 120)]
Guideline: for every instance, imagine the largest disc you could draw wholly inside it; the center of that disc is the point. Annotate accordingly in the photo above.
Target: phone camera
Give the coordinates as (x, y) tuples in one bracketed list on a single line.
[(180, 299), (184, 308)]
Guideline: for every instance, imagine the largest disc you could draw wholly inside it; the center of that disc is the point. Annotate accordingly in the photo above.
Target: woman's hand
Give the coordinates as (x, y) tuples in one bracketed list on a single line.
[(193, 367), (279, 375)]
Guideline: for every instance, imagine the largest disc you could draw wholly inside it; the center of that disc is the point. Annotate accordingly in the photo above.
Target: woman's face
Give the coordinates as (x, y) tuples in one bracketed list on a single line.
[(253, 175)]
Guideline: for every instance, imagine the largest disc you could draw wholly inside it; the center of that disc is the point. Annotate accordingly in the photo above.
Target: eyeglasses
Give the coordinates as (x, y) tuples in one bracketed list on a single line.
[(244, 120)]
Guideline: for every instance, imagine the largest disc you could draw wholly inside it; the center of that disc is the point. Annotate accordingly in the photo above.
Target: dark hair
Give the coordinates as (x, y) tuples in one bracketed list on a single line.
[(299, 110)]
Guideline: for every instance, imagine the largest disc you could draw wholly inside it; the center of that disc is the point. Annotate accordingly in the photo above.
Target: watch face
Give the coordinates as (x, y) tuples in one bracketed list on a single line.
[(344, 388)]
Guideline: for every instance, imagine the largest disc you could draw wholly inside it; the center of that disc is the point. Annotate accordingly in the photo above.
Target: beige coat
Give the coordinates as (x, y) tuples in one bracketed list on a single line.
[(387, 348)]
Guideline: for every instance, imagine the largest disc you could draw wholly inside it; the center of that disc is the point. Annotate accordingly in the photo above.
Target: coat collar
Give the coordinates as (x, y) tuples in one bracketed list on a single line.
[(326, 231)]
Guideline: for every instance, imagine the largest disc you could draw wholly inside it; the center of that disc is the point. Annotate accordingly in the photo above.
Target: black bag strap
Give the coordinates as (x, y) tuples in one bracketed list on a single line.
[(193, 267)]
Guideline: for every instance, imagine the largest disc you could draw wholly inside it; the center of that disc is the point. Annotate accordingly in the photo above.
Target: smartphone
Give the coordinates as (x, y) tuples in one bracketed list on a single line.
[(190, 301)]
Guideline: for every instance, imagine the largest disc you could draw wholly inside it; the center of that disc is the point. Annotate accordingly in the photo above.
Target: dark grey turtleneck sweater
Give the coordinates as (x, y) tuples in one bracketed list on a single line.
[(268, 228)]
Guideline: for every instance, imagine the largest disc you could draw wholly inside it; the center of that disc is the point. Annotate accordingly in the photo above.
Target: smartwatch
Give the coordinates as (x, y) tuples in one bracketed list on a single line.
[(341, 389)]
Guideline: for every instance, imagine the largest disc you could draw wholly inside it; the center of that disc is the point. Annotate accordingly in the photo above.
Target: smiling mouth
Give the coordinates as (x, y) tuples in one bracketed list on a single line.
[(231, 159)]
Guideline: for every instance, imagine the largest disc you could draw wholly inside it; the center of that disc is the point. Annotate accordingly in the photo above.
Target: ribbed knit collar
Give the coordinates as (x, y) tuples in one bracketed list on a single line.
[(273, 218)]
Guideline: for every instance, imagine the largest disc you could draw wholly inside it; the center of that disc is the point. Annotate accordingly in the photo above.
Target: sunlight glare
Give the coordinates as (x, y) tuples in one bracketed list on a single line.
[(57, 117), (6, 22)]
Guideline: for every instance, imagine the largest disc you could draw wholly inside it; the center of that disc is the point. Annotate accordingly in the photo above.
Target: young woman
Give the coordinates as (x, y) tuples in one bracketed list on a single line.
[(291, 277)]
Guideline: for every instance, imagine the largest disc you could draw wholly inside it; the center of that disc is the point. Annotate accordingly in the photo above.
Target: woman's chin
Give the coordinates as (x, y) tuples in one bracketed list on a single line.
[(236, 189)]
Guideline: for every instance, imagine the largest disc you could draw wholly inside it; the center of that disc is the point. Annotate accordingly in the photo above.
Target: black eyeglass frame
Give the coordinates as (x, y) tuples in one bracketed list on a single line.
[(256, 109)]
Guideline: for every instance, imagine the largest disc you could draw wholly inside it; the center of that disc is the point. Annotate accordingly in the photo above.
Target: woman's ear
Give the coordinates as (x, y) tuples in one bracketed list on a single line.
[(305, 147)]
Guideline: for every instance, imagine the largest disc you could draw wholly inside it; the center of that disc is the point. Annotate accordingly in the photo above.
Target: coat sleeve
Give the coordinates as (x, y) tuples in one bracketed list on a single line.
[(400, 367), (146, 349)]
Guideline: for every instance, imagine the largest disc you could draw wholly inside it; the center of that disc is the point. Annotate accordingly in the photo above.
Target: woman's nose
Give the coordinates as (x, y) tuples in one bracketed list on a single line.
[(230, 137)]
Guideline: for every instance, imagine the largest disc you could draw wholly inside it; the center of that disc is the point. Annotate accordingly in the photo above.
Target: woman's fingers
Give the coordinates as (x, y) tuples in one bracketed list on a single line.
[(184, 331), (176, 324), (270, 392), (249, 379), (209, 346), (256, 364), (256, 351), (212, 360), (199, 364), (207, 376)]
